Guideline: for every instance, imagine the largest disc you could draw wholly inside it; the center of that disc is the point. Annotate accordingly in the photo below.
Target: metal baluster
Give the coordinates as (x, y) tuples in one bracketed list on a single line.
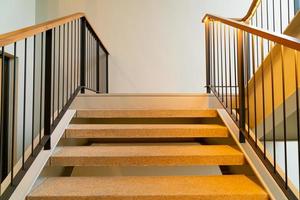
[(254, 88), (273, 111), (2, 117), (64, 66), (273, 8), (298, 113), (58, 71), (83, 56), (267, 5), (33, 96), (41, 85), (214, 57), (230, 70), (289, 12), (68, 37), (13, 116), (284, 116), (48, 89), (24, 103), (235, 74), (221, 49), (225, 66), (263, 95), (280, 14), (53, 79), (241, 81), (218, 59), (72, 61)]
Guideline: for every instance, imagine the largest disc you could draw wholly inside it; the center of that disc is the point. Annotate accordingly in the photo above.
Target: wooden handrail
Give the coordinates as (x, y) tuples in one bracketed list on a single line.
[(8, 38), (251, 11), (285, 40)]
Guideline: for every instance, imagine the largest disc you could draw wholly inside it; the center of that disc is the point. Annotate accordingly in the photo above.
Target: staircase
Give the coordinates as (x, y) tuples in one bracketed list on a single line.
[(154, 138)]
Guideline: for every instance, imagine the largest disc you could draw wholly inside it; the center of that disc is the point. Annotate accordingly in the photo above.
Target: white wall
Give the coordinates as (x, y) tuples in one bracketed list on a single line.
[(16, 14), (155, 45)]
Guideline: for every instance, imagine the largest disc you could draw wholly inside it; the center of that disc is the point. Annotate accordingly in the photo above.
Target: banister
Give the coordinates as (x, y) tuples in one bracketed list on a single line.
[(14, 36), (287, 41), (249, 14), (251, 11)]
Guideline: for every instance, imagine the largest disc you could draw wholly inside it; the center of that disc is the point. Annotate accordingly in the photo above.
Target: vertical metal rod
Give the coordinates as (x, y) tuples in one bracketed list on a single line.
[(289, 12), (240, 65), (33, 96), (68, 56), (280, 14), (2, 117), (267, 4), (218, 59), (297, 107), (207, 42), (82, 55), (47, 91), (284, 117), (107, 72), (75, 55), (273, 9), (41, 86), (13, 116), (58, 71), (24, 103), (78, 54), (54, 76), (221, 48), (263, 95), (72, 61), (261, 15), (235, 72), (98, 68), (254, 88), (273, 111), (214, 55), (225, 66), (88, 59), (230, 70), (247, 80), (64, 65)]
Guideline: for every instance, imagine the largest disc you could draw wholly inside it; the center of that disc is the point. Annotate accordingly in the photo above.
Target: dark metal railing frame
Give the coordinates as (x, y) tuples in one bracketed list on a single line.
[(240, 117), (47, 51)]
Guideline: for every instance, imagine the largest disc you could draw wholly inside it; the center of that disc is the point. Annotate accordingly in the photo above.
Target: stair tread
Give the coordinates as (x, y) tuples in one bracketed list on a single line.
[(145, 130), (142, 155), (146, 188), (145, 113)]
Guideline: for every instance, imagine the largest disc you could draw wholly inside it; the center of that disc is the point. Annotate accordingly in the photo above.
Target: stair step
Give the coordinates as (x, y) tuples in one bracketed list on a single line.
[(144, 113), (234, 187), (147, 155), (145, 131)]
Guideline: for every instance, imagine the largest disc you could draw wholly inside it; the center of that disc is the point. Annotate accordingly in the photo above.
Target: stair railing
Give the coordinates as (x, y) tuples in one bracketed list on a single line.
[(272, 15), (237, 64), (43, 68)]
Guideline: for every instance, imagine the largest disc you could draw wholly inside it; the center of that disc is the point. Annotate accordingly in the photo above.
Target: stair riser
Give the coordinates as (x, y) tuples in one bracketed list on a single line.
[(144, 133), (148, 161)]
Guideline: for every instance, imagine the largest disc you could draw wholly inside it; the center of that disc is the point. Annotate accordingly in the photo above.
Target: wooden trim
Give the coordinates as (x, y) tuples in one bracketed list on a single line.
[(251, 11), (285, 40), (8, 38), (249, 14)]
